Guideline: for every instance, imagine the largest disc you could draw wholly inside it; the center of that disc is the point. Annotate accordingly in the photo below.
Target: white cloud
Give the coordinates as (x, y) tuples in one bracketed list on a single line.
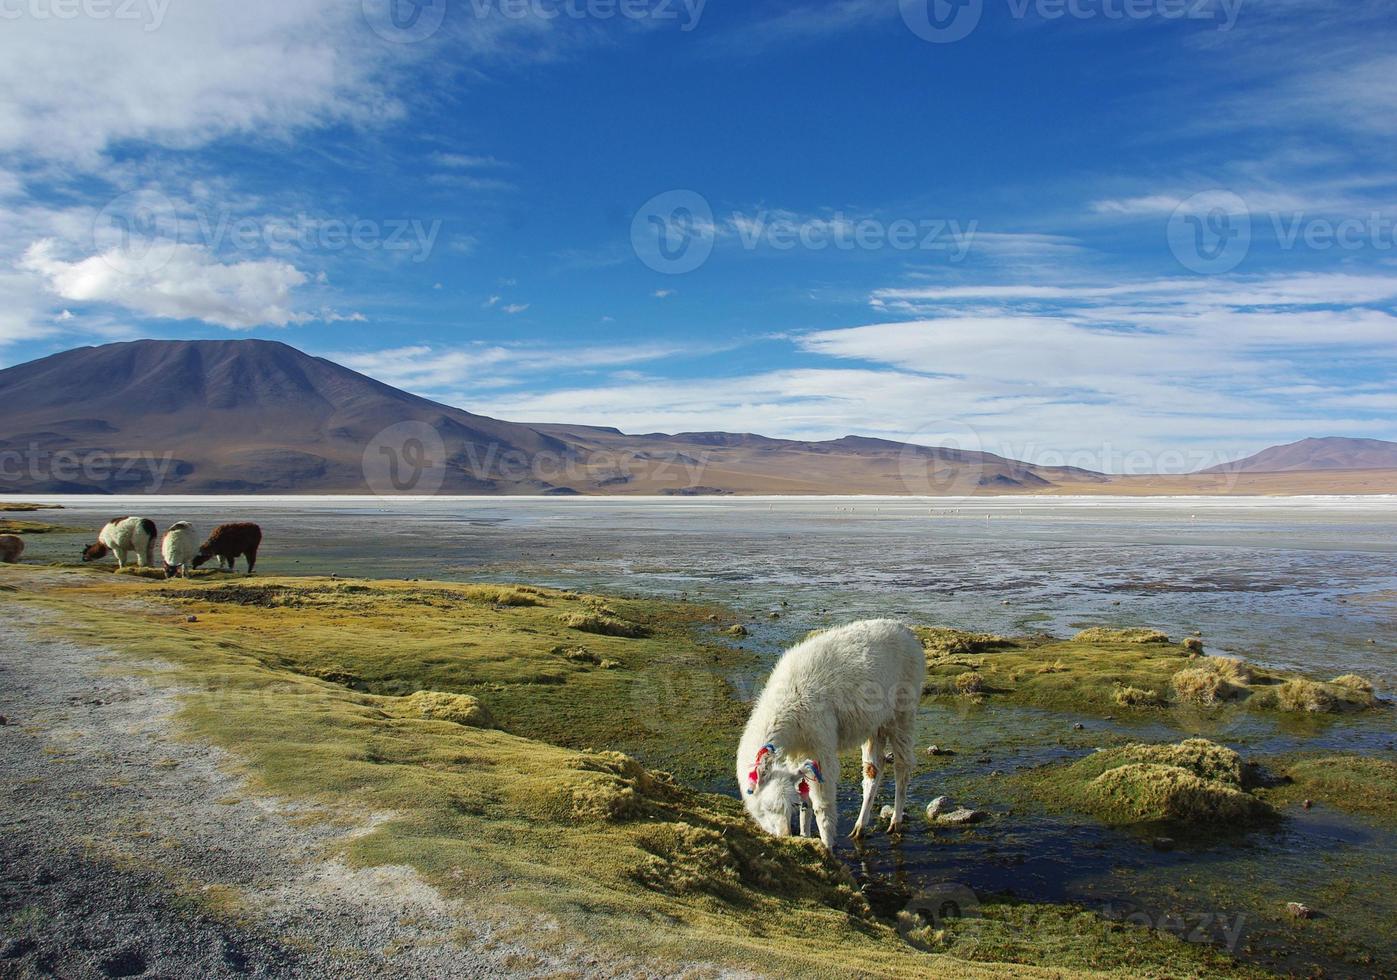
[(515, 308), (663, 293), (189, 283)]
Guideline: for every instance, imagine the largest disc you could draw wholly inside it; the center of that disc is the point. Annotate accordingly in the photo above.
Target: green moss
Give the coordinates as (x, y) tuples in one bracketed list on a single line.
[(943, 641), (604, 625), (1134, 697), (460, 709), (1354, 783), (1195, 784), (654, 869), (1104, 634), (8, 526), (18, 507)]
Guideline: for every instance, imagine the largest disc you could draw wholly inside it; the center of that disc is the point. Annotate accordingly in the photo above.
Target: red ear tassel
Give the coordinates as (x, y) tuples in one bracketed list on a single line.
[(804, 788)]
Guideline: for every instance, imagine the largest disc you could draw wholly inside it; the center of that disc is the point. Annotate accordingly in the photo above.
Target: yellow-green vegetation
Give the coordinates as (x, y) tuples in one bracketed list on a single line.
[(604, 624), (363, 696), (1103, 670), (970, 682), (942, 641), (460, 709), (1355, 783), (19, 507), (1354, 683), (1211, 680), (1105, 634), (9, 526), (1134, 697), (1301, 696), (1195, 785)]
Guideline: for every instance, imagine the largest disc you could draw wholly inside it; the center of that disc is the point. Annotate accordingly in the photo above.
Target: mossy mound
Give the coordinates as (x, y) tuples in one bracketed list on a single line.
[(1105, 634), (1135, 697), (1195, 785), (1354, 683), (604, 624), (461, 709), (943, 641)]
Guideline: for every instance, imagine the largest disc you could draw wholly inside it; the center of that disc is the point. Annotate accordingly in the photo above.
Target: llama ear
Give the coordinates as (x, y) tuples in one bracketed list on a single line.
[(810, 771)]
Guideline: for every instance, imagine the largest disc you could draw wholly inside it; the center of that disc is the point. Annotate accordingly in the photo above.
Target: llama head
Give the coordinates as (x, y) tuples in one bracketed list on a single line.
[(95, 551), (770, 792), (203, 556)]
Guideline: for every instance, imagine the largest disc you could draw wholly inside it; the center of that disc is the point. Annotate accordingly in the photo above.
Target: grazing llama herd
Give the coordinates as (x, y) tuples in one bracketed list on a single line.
[(134, 539), (855, 686)]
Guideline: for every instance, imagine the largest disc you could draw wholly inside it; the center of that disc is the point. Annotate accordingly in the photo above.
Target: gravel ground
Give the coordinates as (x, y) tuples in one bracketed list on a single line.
[(127, 852)]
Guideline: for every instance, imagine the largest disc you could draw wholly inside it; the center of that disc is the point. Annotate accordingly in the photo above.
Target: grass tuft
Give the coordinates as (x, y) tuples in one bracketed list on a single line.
[(1105, 634)]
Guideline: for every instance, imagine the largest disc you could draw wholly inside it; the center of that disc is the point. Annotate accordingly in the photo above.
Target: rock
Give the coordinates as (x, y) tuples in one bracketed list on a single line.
[(1298, 910), (736, 630), (962, 815), (1163, 843), (1078, 727), (774, 615), (1309, 803), (886, 813), (943, 811), (938, 750), (191, 619), (4, 721)]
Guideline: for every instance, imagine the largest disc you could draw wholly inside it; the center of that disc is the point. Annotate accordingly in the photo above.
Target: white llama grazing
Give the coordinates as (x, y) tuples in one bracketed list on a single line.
[(856, 684), (122, 536), (178, 548)]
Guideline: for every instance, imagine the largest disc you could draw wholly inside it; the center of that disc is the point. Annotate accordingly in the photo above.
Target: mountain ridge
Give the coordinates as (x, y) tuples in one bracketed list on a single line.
[(260, 416)]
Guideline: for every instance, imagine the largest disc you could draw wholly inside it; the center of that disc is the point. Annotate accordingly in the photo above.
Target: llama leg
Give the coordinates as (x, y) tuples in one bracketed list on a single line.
[(872, 778), (251, 559), (824, 797), (805, 820), (904, 748)]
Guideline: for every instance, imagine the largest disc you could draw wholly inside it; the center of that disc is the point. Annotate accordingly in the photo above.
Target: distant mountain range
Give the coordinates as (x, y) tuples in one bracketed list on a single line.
[(254, 416), (1317, 454)]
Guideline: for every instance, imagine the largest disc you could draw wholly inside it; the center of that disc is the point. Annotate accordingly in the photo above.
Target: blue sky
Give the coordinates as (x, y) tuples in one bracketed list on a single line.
[(1128, 234)]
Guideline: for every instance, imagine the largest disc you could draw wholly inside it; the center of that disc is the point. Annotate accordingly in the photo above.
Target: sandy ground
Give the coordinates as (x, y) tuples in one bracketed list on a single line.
[(127, 852)]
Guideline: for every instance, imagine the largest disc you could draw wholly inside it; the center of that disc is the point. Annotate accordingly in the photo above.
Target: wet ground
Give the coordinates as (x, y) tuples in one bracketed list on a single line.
[(1302, 584)]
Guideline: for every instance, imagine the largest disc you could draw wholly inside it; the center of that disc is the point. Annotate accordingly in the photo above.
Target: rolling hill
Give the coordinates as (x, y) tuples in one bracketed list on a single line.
[(1333, 453), (256, 416)]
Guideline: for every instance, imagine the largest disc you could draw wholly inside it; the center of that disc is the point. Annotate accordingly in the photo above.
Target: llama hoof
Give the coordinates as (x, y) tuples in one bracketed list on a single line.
[(894, 830)]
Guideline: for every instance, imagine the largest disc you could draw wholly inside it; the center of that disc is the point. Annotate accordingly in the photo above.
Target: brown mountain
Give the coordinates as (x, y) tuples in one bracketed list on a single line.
[(1333, 453), (254, 416), (243, 416)]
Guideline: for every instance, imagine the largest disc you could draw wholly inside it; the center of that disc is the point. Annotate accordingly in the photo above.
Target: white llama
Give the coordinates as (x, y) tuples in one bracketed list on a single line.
[(856, 684)]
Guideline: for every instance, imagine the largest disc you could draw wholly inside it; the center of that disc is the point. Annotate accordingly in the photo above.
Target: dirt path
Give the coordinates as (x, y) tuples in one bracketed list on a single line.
[(126, 852)]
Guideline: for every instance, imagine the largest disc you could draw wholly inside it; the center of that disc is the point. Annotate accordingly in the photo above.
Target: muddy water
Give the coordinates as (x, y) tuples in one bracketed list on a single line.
[(1303, 584)]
